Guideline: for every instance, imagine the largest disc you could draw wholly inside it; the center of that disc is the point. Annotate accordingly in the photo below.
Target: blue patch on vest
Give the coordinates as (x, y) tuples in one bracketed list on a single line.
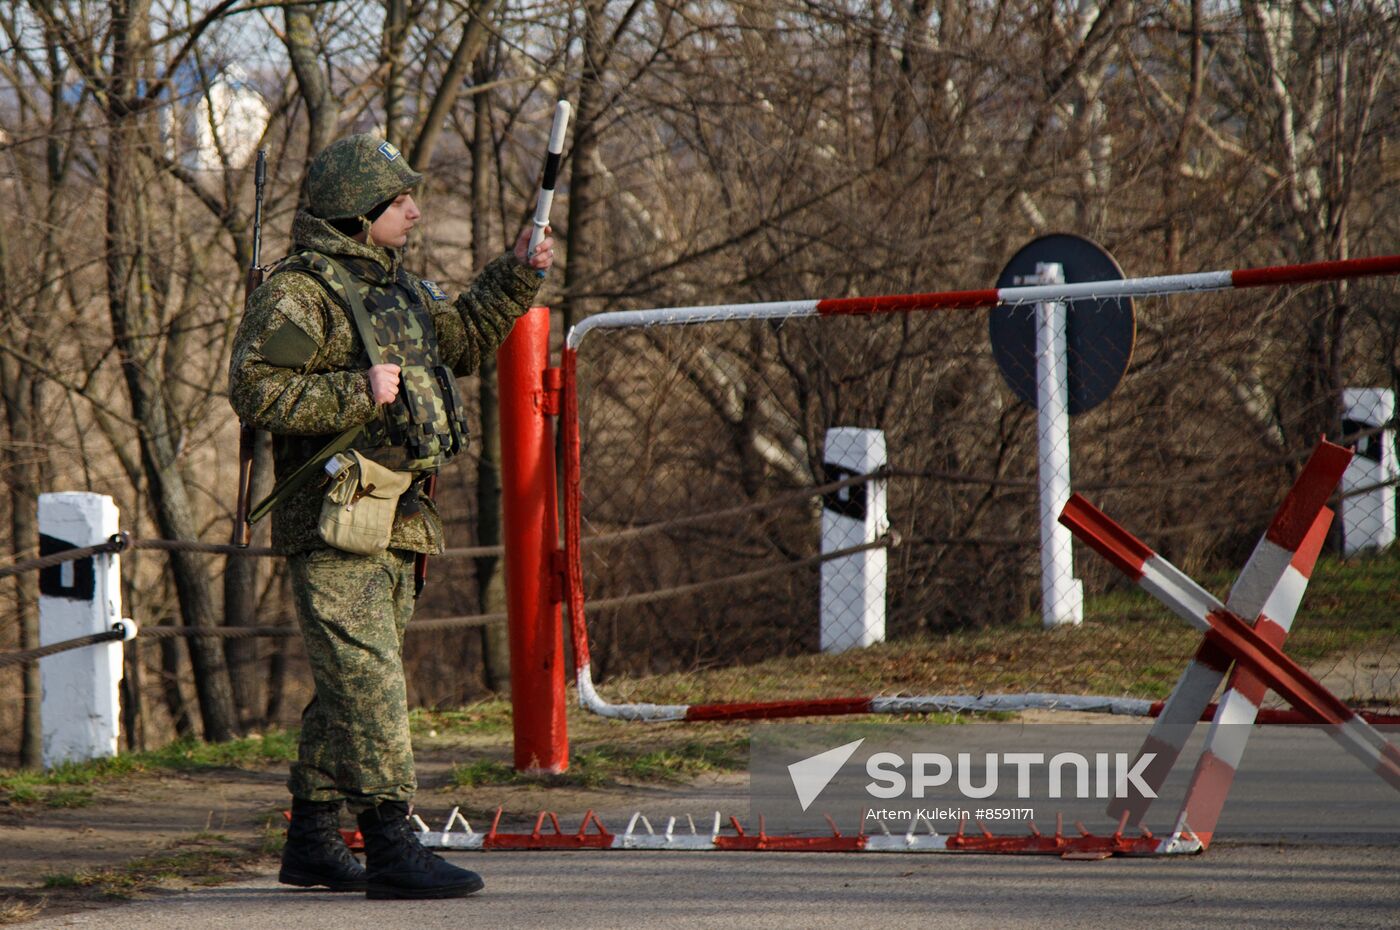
[(389, 151), (435, 292)]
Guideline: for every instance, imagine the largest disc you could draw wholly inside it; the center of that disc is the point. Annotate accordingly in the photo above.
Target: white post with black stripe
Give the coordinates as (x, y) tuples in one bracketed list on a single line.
[(545, 201), (1368, 487), (1062, 595), (80, 707), (853, 586)]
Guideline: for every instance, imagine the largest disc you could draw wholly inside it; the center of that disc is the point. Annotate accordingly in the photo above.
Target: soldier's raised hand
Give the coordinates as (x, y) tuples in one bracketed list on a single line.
[(384, 383), (542, 257)]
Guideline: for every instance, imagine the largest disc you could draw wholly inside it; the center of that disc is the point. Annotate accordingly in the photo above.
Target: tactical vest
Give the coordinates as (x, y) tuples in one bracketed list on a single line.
[(427, 420)]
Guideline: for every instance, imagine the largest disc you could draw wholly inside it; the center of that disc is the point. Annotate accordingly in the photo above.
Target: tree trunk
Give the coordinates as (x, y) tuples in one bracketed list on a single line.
[(243, 576), (586, 240), (23, 458), (134, 319), (1176, 162), (25, 485), (170, 688), (391, 62), (495, 639), (133, 704), (467, 55), (323, 107)]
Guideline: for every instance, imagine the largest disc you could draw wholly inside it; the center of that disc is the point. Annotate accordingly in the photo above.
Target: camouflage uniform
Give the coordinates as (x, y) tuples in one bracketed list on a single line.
[(299, 370)]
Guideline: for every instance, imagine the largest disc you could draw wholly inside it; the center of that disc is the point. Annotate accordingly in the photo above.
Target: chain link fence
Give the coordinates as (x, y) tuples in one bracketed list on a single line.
[(1224, 399), (715, 456)]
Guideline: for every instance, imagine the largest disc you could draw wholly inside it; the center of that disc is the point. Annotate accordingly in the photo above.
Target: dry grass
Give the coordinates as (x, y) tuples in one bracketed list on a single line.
[(18, 910)]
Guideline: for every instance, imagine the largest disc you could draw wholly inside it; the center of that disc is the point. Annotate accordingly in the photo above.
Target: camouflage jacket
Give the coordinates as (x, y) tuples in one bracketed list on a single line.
[(299, 368)]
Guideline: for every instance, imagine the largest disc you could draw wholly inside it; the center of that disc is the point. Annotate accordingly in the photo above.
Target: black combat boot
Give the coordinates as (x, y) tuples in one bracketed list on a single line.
[(399, 866), (316, 853)]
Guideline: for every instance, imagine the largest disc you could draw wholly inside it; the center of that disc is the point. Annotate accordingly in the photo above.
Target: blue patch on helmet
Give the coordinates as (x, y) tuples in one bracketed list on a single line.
[(435, 292), (389, 151)]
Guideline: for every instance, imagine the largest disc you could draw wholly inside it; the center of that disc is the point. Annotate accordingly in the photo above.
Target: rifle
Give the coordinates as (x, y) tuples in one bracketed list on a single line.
[(247, 435), (420, 561)]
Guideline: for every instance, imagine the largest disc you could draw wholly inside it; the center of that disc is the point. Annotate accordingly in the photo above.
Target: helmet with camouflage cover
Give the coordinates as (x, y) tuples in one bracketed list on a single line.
[(352, 176)]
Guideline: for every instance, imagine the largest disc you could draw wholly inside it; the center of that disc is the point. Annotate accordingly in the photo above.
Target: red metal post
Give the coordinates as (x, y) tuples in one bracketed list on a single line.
[(532, 539)]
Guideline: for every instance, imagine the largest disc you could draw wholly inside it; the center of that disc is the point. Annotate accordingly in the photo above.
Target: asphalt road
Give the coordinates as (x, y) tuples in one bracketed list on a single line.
[(1273, 887)]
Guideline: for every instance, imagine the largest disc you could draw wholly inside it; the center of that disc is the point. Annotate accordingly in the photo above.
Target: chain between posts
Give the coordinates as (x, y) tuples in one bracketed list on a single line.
[(122, 542), (889, 541), (31, 655)]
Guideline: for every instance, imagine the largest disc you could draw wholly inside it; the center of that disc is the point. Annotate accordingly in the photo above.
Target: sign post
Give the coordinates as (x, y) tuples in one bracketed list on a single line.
[(1062, 357), (1368, 487), (1062, 594)]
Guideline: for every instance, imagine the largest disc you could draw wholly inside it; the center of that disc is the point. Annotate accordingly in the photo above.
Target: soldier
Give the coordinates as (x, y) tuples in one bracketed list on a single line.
[(300, 370)]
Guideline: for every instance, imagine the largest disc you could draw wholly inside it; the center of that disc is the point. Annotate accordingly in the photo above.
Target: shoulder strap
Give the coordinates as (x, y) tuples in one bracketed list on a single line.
[(357, 310), (345, 440), (305, 472), (332, 276)]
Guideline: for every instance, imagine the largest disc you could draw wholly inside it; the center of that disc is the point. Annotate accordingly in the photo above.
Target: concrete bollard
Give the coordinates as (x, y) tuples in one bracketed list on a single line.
[(853, 587), (80, 704), (1368, 501)]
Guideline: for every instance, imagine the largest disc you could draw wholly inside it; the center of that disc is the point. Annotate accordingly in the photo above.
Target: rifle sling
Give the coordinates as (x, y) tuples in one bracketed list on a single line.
[(309, 469)]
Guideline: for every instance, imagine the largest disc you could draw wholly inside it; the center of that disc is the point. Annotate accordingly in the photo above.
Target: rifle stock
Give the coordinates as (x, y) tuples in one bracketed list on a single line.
[(420, 561), (247, 435)]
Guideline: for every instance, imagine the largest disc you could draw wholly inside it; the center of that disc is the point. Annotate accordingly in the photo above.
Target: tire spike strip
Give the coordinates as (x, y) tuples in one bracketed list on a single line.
[(921, 837)]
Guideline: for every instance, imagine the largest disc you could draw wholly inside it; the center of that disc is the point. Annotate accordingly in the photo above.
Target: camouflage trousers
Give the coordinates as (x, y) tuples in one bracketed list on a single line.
[(354, 734)]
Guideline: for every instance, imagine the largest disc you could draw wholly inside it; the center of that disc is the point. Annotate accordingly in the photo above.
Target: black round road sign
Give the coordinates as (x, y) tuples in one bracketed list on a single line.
[(1099, 332)]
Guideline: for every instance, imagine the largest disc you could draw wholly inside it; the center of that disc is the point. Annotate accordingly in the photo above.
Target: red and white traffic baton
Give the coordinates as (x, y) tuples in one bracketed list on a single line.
[(551, 172)]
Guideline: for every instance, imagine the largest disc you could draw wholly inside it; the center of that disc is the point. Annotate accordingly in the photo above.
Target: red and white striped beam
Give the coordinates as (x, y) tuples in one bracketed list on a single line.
[(1273, 276), (1269, 588), (1251, 649), (1238, 709), (590, 700), (1223, 628), (1190, 701), (1192, 602)]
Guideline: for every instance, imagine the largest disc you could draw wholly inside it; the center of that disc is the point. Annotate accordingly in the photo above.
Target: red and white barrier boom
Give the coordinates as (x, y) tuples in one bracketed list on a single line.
[(1269, 588), (1248, 600)]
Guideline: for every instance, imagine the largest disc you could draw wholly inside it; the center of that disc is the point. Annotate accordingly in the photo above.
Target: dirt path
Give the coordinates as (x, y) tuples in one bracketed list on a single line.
[(151, 834)]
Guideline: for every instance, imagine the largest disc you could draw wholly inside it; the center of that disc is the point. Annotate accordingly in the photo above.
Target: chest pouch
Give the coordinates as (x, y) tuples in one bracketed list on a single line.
[(362, 496), (427, 420)]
